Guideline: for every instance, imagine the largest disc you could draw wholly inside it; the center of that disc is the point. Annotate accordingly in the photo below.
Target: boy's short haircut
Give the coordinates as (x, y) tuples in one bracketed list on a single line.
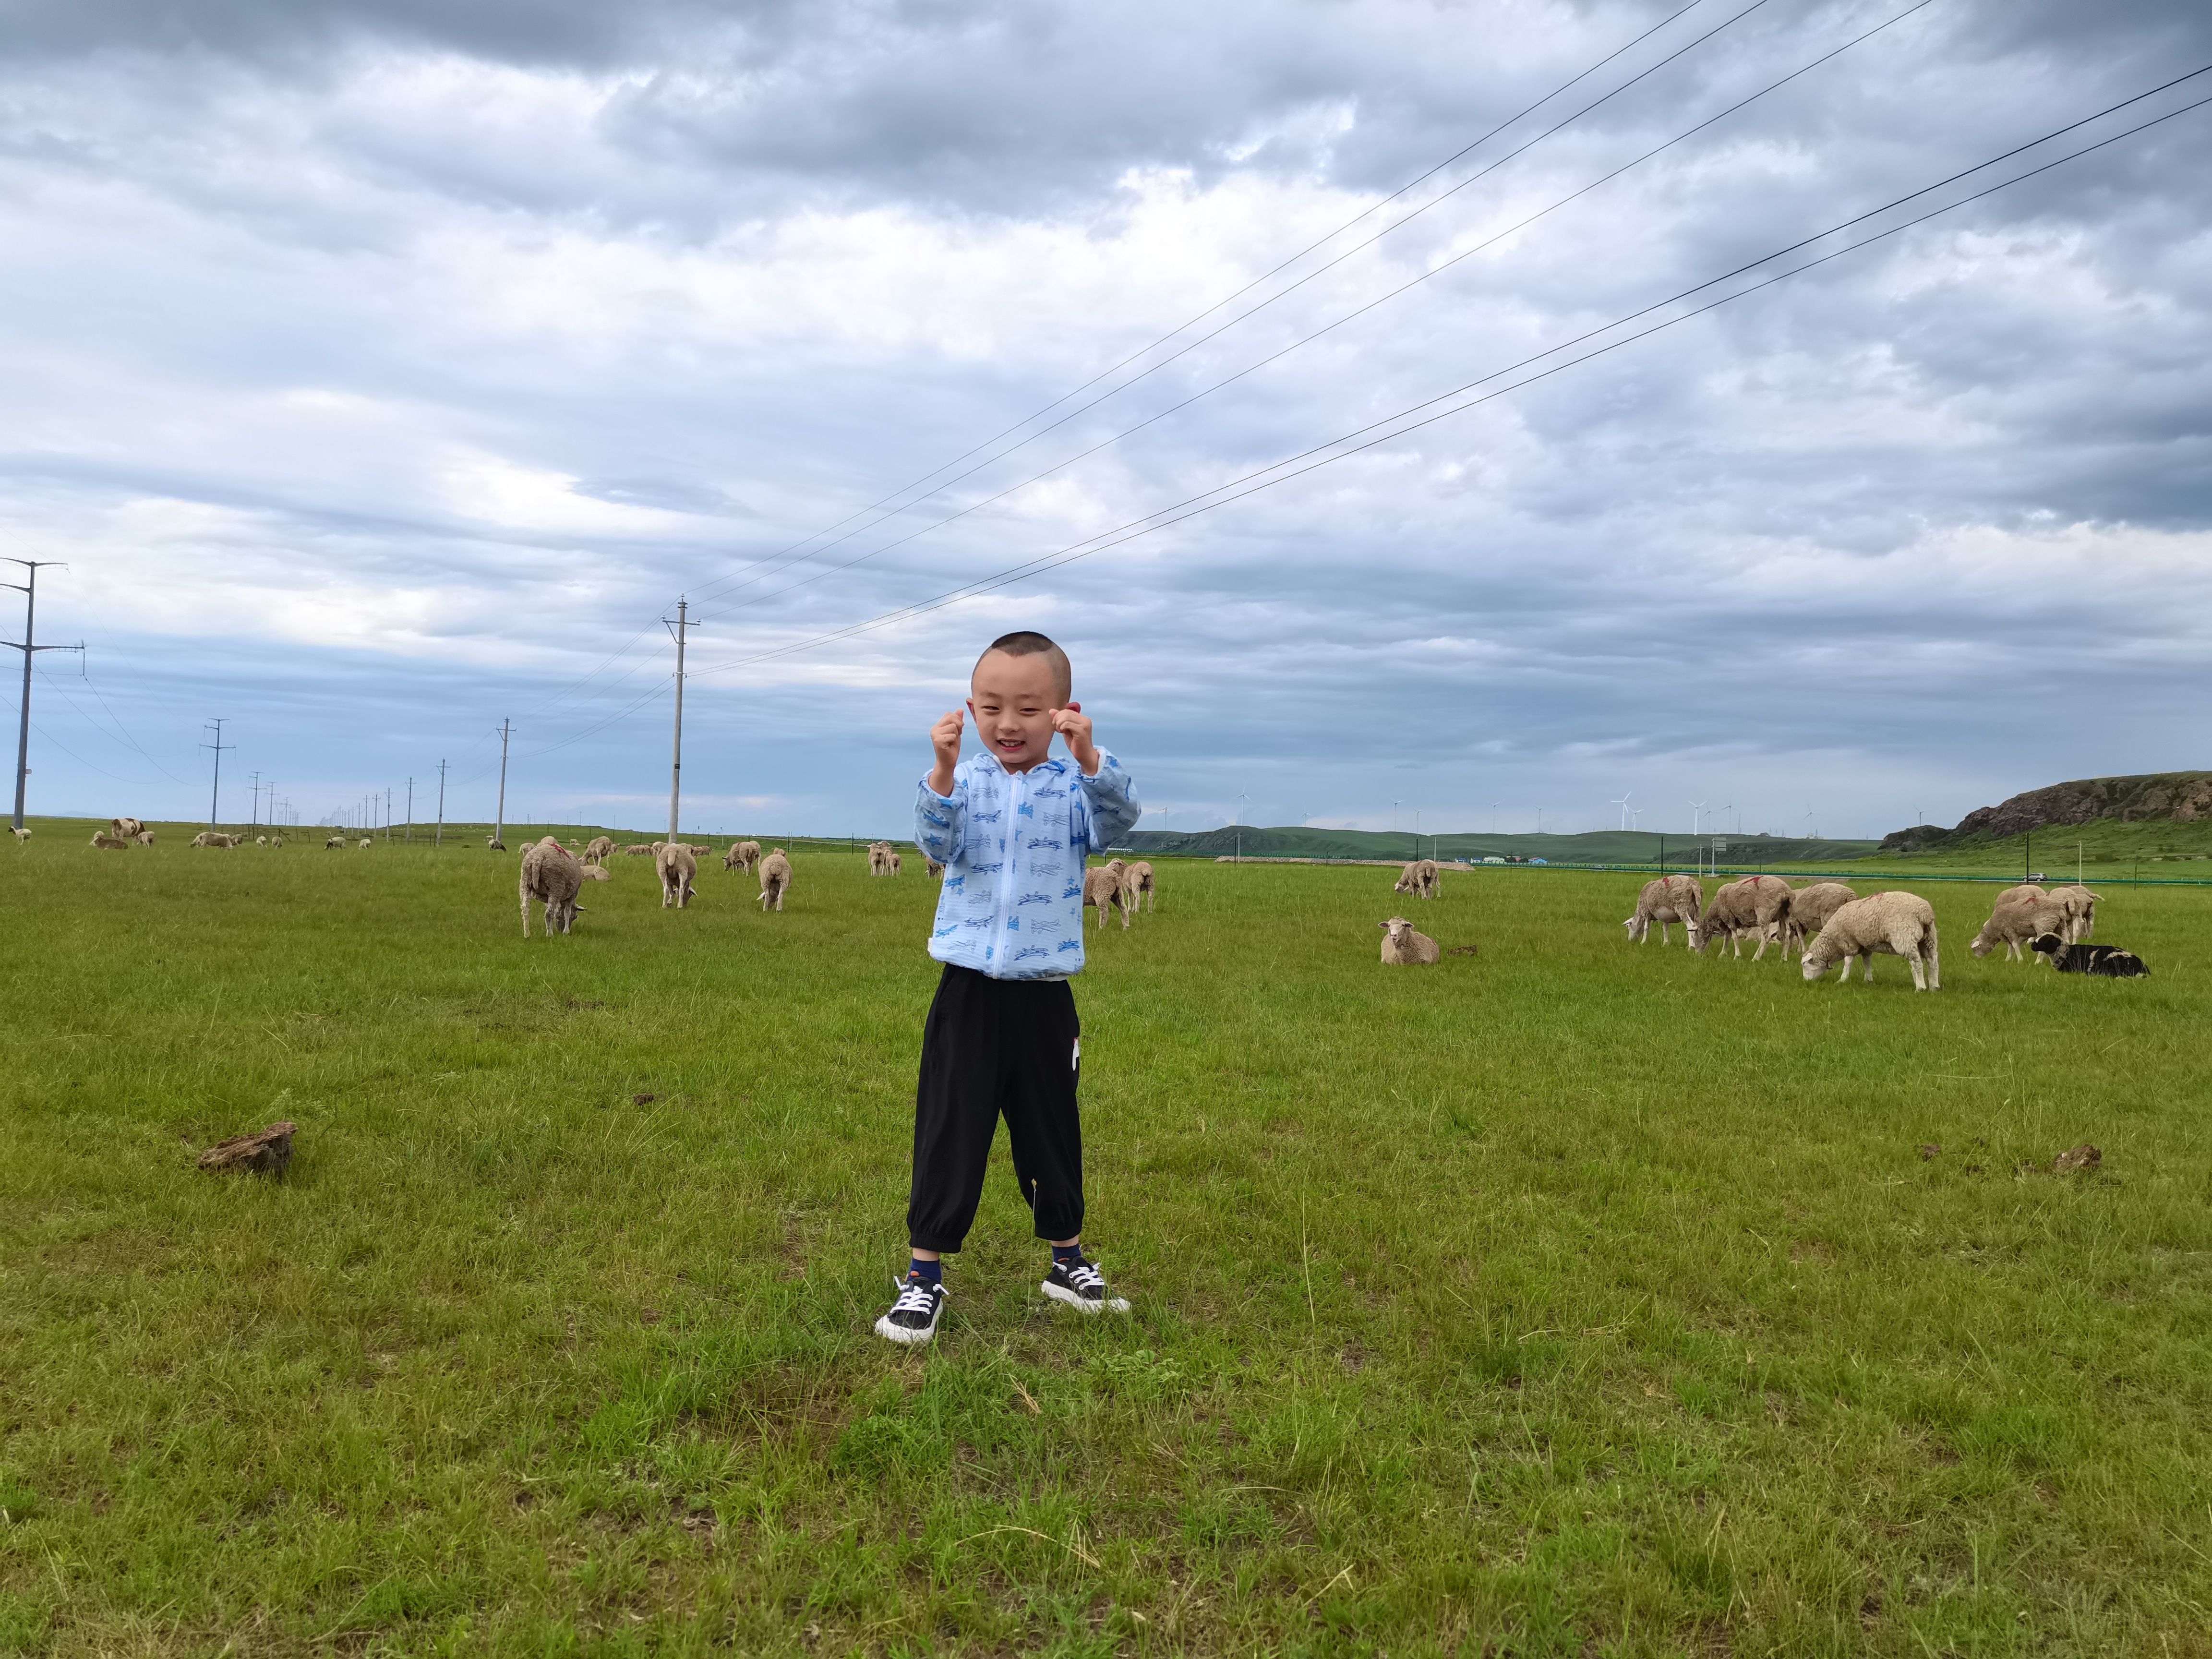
[(1027, 644)]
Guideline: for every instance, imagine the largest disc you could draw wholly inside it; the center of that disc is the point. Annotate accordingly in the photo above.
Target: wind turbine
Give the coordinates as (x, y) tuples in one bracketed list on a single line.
[(1623, 804), (1696, 807), (1241, 799)]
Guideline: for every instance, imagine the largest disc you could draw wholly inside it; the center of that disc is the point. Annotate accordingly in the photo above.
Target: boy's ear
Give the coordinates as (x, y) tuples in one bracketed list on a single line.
[(1072, 707)]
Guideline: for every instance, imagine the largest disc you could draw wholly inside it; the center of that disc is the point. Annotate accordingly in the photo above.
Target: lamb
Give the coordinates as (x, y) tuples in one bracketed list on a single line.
[(2104, 960), (1102, 887), (892, 854), (774, 880), (335, 840), (145, 838), (1755, 905), (553, 877), (1139, 881), (742, 855), (1901, 924), (2080, 906), (214, 838), (2021, 914), (125, 829), (678, 868), (1666, 900), (1404, 948), (109, 843), (1810, 908), (936, 870), (596, 851), (1420, 876)]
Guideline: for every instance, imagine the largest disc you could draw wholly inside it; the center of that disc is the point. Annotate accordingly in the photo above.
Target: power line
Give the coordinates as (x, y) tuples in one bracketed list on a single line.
[(1275, 356), (1283, 293), (1402, 423)]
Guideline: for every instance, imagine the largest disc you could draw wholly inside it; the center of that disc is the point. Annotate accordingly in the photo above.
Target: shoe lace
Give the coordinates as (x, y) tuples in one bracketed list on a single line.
[(915, 1298), (1083, 1276)]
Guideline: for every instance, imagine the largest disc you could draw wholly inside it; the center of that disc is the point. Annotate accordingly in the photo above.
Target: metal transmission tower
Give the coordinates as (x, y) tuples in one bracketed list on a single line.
[(214, 796), (679, 625), (439, 839), (28, 588), (499, 821)]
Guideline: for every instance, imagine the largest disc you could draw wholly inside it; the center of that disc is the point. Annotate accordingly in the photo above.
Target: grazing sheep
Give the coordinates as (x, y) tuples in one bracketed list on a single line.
[(367, 841), (261, 840), (1755, 905), (1139, 884), (109, 843), (145, 838), (1404, 948), (774, 880), (552, 878), (1419, 877), (1901, 924), (1102, 887), (125, 829), (596, 850), (1809, 909), (678, 866), (214, 838), (2080, 906), (493, 842), (641, 849), (335, 840), (2075, 957), (742, 855), (2021, 914), (936, 870), (1666, 900), (275, 842), (21, 836)]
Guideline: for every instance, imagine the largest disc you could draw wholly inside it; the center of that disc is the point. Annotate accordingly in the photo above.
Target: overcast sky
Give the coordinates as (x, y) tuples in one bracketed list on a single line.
[(382, 371)]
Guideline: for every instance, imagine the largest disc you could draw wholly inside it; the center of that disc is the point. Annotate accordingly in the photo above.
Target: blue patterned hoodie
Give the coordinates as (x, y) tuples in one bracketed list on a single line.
[(1012, 845)]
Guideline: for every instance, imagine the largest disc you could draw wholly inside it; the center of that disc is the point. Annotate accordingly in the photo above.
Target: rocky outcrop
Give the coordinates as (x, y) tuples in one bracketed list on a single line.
[(2177, 797)]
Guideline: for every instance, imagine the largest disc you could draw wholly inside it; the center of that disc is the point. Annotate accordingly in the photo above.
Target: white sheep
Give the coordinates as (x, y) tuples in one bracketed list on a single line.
[(774, 880), (214, 838), (334, 841), (2018, 916), (109, 843), (742, 855), (1419, 877), (1666, 900), (1102, 887), (1900, 924), (552, 877), (367, 841), (1139, 884), (1810, 907), (1404, 948), (1755, 906), (145, 838), (678, 866), (596, 850), (936, 870), (2079, 906), (641, 849), (21, 835)]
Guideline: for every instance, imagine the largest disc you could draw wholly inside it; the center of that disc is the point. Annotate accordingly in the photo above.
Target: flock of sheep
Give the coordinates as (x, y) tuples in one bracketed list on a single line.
[(553, 875), (1828, 923)]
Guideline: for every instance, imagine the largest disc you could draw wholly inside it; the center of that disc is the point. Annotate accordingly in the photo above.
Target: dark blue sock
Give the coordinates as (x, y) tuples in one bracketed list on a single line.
[(1066, 1256), (929, 1272)]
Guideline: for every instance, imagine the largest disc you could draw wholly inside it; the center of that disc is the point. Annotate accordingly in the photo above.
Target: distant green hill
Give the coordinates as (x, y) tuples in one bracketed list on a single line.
[(2153, 817), (1599, 847)]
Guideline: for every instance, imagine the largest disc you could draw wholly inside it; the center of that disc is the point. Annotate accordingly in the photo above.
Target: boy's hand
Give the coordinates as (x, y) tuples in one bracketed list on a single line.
[(944, 738), (1074, 727)]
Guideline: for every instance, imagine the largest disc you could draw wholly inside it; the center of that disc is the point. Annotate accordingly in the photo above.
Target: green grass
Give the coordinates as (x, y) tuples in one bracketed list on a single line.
[(2106, 846), (1594, 847), (1573, 1297)]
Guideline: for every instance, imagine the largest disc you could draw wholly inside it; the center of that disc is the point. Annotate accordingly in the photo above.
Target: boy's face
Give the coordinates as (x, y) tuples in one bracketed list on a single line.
[(1012, 700)]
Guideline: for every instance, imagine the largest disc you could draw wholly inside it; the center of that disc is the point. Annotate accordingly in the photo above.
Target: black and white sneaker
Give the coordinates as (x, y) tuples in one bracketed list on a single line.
[(1081, 1286), (913, 1317)]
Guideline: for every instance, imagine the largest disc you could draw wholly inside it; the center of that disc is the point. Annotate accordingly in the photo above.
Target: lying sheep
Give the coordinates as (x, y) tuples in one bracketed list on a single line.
[(2020, 914), (678, 866), (774, 880), (126, 829), (2075, 957), (109, 843), (1419, 877), (1668, 900), (1754, 906), (214, 838), (742, 855), (1901, 924), (1139, 884), (335, 840), (1404, 948), (596, 850), (2079, 905), (1103, 888), (553, 877), (1809, 911)]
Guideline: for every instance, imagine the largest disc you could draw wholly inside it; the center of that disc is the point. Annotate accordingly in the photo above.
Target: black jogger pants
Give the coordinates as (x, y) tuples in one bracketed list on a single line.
[(995, 1048)]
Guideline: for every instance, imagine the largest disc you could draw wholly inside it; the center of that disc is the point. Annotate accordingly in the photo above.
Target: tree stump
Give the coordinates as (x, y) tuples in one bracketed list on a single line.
[(265, 1152)]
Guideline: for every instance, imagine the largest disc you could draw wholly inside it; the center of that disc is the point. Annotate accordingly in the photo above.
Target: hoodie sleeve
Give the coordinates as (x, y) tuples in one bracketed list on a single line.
[(939, 819), (1111, 800)]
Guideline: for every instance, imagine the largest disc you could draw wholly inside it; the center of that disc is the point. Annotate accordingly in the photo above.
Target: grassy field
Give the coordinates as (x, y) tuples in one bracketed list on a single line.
[(1573, 1297)]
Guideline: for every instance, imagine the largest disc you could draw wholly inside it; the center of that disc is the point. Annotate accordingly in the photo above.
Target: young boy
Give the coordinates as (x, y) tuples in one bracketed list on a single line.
[(1012, 828)]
